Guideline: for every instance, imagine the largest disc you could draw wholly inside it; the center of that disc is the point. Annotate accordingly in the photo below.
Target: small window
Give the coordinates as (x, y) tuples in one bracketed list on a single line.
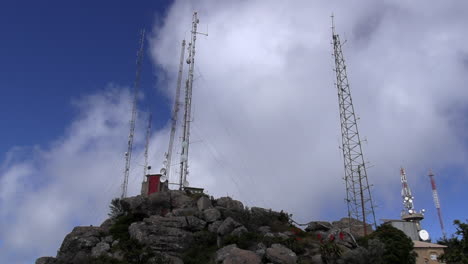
[(433, 256)]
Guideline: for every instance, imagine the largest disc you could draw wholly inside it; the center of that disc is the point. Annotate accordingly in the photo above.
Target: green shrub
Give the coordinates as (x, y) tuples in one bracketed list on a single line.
[(203, 249), (398, 246)]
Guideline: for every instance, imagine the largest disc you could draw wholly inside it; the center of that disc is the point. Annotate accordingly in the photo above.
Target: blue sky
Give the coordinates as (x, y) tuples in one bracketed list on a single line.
[(265, 110), (56, 51)]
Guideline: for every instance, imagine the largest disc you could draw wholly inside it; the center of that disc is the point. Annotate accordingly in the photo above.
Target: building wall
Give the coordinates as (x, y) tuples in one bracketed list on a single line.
[(428, 255), (409, 228)]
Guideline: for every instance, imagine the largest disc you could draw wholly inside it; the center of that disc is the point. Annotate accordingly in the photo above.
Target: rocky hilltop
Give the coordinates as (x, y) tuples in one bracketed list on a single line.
[(179, 227)]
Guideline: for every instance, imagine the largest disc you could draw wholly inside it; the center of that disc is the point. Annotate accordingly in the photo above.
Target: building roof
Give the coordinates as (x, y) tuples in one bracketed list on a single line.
[(420, 244)]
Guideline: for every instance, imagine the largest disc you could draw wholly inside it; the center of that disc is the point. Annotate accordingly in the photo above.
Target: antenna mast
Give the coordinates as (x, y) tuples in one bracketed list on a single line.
[(175, 112), (435, 196), (136, 84), (148, 134), (188, 105), (358, 195)]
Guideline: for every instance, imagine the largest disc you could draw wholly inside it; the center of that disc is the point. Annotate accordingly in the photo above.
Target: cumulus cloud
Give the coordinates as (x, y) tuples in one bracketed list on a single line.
[(266, 124), (266, 108), (47, 190)]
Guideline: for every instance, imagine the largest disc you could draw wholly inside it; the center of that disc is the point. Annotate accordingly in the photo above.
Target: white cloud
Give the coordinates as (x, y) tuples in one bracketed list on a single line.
[(46, 192), (266, 124), (264, 97)]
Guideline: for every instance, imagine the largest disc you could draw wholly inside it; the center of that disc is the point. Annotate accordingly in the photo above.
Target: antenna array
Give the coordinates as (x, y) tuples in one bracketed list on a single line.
[(188, 105), (358, 195), (175, 113), (136, 85)]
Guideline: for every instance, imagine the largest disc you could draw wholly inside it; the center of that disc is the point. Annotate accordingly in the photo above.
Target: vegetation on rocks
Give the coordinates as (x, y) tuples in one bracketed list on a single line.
[(176, 227), (396, 246)]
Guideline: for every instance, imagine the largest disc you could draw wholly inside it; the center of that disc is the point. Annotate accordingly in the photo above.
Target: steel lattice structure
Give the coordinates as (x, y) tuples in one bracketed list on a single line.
[(136, 86), (188, 105), (175, 113), (358, 194)]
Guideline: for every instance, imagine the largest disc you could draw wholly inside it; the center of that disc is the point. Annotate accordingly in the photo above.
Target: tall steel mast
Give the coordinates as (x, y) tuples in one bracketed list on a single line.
[(188, 105), (437, 203), (136, 85), (358, 194), (175, 112)]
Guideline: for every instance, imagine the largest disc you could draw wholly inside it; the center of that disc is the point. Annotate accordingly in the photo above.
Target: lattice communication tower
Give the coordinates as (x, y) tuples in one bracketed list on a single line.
[(166, 170), (358, 194), (136, 86), (188, 105)]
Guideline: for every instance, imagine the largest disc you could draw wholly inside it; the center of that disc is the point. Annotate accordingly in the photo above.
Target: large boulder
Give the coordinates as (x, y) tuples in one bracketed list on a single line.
[(186, 212), (162, 235), (107, 224), (159, 203), (280, 254), (213, 227), (241, 256), (229, 203), (77, 245), (239, 231), (228, 226), (135, 204), (231, 254), (195, 224), (179, 199), (353, 226), (204, 203), (211, 215), (101, 248), (224, 252)]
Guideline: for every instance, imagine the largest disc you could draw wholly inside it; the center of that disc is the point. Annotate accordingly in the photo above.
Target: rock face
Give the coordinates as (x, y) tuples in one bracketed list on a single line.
[(46, 260), (163, 234), (280, 254), (175, 226), (229, 203), (231, 254), (78, 244)]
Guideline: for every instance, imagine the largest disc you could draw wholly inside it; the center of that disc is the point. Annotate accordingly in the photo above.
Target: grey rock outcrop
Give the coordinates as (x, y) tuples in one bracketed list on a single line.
[(180, 200), (231, 254), (211, 215), (280, 254), (100, 249), (78, 244), (173, 225), (228, 226), (46, 260), (213, 227), (239, 231), (318, 226), (204, 203), (229, 203)]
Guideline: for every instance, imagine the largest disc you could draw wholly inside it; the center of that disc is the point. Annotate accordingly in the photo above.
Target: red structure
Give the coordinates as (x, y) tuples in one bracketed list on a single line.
[(435, 196), (153, 183)]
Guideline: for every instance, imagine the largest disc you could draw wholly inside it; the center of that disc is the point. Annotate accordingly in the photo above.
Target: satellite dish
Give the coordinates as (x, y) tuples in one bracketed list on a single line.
[(186, 183), (163, 171), (410, 211), (423, 210), (163, 178), (410, 200), (423, 235), (406, 198)]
